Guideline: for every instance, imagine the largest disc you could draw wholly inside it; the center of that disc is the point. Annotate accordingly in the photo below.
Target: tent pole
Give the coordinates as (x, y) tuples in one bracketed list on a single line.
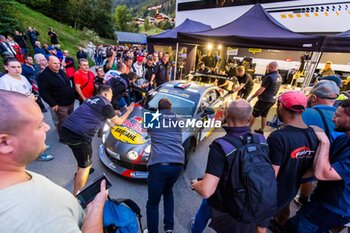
[(176, 54), (315, 59)]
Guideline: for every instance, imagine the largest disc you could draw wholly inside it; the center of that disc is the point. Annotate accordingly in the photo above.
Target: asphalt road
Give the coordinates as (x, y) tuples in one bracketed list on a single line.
[(62, 168)]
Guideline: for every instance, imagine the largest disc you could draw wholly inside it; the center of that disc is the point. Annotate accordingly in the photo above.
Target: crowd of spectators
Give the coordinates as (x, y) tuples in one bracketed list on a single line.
[(310, 151)]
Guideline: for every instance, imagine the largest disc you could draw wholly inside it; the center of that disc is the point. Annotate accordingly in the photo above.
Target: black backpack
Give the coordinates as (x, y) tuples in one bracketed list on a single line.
[(249, 188)]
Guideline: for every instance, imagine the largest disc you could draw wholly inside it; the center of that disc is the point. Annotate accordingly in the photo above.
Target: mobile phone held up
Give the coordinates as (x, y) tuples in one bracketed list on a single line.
[(88, 194)]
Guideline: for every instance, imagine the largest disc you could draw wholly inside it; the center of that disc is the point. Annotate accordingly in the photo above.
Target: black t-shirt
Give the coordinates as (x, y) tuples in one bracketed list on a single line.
[(149, 70), (216, 166), (162, 72), (53, 37), (209, 61), (90, 116), (293, 150), (247, 80), (272, 82), (231, 72)]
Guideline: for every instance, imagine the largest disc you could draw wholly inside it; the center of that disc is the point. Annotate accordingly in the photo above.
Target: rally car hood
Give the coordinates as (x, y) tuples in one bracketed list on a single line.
[(131, 131)]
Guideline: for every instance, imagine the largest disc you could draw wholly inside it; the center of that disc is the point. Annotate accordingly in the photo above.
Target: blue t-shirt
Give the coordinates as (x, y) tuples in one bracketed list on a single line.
[(166, 142), (312, 117), (335, 195), (90, 116)]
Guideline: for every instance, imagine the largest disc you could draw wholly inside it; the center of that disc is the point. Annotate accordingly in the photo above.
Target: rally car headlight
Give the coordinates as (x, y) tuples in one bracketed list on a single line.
[(132, 155), (148, 149), (106, 128), (105, 132)]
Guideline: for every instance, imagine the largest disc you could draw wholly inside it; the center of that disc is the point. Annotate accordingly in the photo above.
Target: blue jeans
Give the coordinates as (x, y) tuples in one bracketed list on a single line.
[(160, 181), (314, 218), (202, 217)]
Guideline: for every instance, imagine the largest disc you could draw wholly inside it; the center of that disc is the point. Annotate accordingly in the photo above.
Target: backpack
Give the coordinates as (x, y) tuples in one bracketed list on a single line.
[(249, 183), (121, 216)]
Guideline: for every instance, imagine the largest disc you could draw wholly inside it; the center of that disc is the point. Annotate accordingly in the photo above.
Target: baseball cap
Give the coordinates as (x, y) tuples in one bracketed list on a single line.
[(139, 58), (333, 78), (295, 101), (149, 58), (326, 89), (51, 48)]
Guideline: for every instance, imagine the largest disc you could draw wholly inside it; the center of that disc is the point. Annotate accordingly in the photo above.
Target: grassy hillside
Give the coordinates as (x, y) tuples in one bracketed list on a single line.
[(68, 37), (152, 31)]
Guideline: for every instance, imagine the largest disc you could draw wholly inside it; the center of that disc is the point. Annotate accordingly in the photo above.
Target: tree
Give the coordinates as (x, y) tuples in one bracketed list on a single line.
[(135, 27), (165, 24), (8, 24), (147, 24), (123, 18)]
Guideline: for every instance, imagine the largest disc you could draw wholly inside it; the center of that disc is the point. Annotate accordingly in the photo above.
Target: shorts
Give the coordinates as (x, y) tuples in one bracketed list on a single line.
[(262, 108), (80, 146), (223, 222), (244, 93)]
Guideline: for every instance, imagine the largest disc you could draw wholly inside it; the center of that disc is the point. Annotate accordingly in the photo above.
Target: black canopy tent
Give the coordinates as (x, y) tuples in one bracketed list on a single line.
[(170, 36), (256, 28), (337, 43)]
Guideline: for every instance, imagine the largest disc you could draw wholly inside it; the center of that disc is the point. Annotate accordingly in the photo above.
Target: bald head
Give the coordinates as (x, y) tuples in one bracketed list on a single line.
[(54, 64), (10, 111), (238, 113), (272, 66)]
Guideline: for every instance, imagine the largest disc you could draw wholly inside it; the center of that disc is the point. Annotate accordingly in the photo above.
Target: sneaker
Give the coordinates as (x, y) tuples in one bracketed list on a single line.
[(47, 147), (259, 131), (45, 157), (169, 231)]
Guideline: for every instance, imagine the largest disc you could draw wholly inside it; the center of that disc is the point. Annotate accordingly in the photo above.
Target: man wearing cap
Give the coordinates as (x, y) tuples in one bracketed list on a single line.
[(266, 95), (320, 112), (330, 202), (138, 67), (292, 150)]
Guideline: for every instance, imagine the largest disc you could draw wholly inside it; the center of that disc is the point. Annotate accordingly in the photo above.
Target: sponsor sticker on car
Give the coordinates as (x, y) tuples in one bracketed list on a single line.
[(127, 135)]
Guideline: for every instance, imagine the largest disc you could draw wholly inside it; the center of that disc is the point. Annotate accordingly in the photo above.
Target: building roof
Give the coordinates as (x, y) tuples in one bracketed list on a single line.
[(130, 38)]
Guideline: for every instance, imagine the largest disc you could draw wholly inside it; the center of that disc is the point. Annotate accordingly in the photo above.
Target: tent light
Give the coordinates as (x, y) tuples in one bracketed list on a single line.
[(210, 46), (219, 46)]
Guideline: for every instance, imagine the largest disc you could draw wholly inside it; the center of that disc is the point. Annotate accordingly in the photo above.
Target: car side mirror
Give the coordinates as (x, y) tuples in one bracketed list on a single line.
[(208, 111)]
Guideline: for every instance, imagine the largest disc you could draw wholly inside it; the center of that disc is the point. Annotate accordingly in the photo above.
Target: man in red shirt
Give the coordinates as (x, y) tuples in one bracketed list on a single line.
[(84, 81)]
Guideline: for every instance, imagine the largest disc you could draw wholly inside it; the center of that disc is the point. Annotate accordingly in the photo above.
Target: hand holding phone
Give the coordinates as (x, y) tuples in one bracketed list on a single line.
[(89, 193)]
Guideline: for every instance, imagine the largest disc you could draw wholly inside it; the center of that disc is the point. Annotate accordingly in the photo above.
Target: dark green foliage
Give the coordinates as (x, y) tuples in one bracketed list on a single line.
[(7, 23), (93, 14), (166, 24)]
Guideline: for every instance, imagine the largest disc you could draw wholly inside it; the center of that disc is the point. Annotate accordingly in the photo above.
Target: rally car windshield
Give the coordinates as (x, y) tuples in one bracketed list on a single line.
[(181, 106)]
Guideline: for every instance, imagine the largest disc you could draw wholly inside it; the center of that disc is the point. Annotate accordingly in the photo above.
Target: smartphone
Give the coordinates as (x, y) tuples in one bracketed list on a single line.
[(88, 194)]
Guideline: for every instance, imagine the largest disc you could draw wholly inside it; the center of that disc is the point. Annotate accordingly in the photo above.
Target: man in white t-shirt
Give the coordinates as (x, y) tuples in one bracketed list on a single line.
[(13, 80), (30, 202)]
